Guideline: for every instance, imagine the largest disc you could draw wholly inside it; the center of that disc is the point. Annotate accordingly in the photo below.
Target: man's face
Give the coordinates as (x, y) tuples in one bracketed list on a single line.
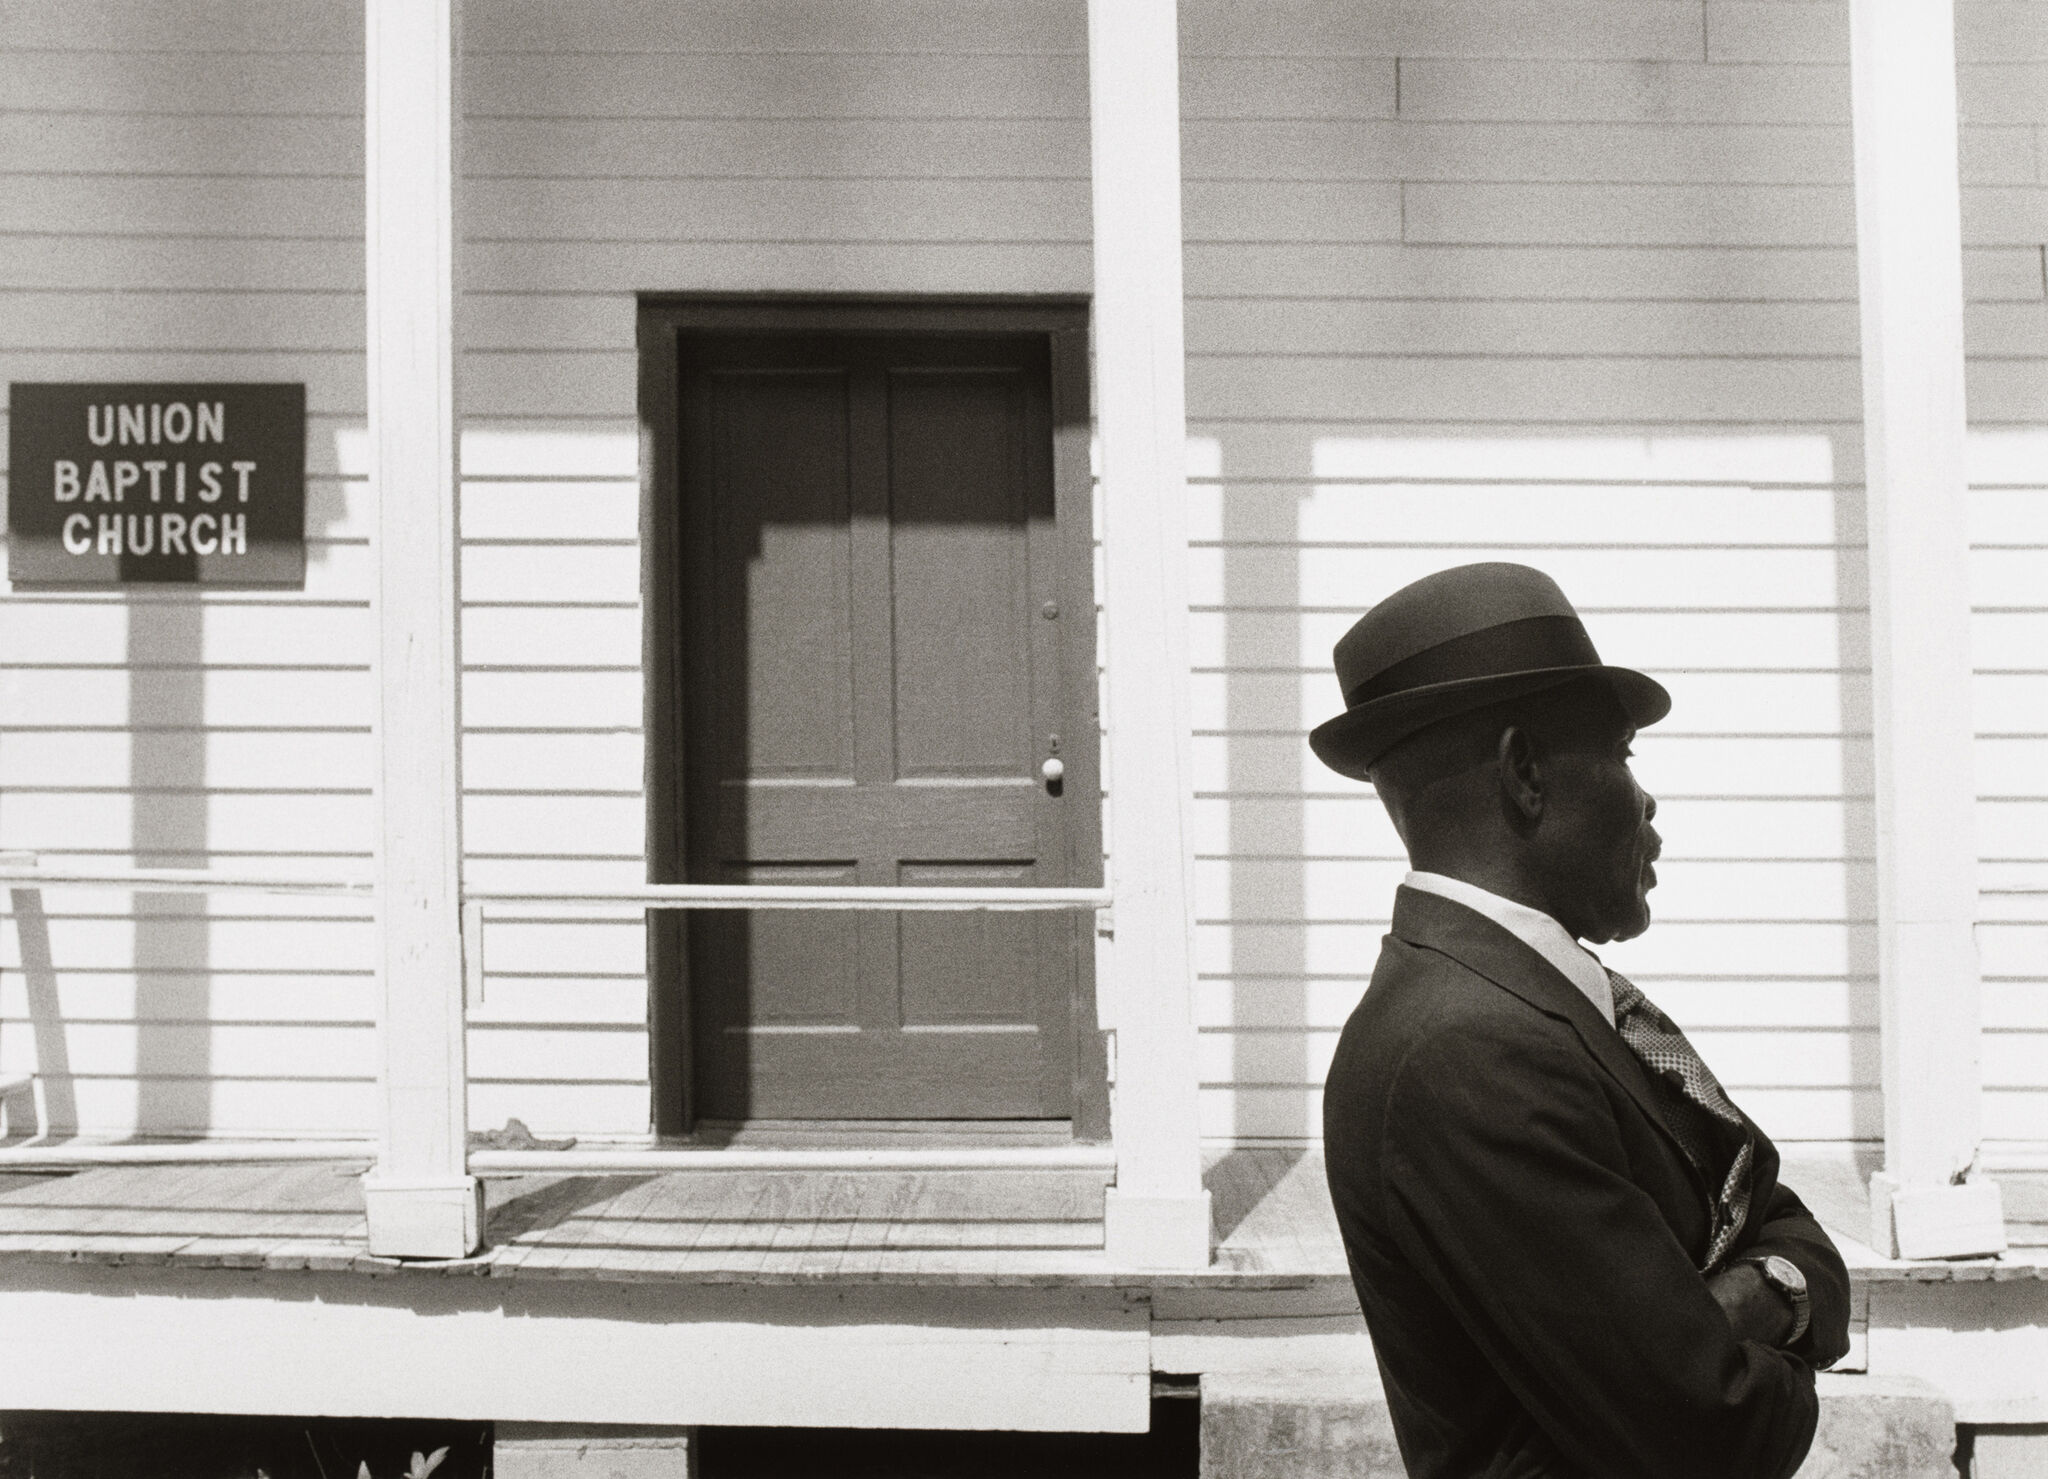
[(1596, 841)]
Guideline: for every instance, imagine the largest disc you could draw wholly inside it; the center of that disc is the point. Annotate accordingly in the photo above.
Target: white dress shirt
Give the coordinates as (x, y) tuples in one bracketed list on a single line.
[(1533, 928)]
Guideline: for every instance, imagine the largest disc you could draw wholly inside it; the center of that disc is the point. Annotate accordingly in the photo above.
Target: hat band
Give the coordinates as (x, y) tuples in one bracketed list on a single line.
[(1522, 646)]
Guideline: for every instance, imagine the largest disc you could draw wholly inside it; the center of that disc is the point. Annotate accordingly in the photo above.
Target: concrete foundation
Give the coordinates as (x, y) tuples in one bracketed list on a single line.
[(1297, 1425), (1881, 1427), (592, 1451), (1335, 1426), (2009, 1452)]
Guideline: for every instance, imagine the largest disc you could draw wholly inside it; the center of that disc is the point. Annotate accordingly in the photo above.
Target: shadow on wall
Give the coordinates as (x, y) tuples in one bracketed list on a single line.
[(173, 940), (167, 807), (1265, 776), (170, 807), (1859, 807), (1731, 566)]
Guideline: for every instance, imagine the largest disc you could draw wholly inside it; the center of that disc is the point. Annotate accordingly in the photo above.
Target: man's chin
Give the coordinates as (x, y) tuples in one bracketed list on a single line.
[(1627, 923)]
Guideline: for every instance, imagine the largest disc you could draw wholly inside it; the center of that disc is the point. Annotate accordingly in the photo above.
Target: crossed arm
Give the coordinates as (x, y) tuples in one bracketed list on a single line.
[(1517, 1205), (1758, 1312), (1754, 1309)]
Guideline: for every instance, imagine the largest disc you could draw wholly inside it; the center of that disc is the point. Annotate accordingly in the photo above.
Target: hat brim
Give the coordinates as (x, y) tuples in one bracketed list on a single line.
[(1349, 743)]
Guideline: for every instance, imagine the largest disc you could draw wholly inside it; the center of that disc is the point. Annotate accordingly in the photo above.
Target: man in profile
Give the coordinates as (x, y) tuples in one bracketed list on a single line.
[(1571, 1247)]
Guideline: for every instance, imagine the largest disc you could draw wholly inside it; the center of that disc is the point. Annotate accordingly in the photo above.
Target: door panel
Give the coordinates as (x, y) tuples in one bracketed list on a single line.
[(870, 653), (814, 955), (783, 573), (1004, 950), (961, 576)]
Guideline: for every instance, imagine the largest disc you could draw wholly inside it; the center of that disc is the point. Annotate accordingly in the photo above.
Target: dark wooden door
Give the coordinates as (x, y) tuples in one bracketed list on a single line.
[(871, 684)]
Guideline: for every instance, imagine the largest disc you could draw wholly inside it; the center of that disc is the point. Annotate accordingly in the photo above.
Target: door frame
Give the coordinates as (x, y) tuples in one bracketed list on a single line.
[(1062, 323)]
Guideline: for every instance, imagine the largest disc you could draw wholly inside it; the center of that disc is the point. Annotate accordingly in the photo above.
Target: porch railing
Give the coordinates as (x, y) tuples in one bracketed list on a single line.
[(19, 872)]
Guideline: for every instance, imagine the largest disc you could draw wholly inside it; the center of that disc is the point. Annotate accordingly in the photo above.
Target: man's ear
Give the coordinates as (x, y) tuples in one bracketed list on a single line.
[(1521, 775)]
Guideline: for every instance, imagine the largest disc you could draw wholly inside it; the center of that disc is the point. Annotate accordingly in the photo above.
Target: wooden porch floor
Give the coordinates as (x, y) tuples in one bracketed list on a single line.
[(1014, 1228)]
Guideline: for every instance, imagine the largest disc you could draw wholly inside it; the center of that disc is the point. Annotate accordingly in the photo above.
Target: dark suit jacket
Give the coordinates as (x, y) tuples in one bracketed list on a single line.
[(1525, 1234)]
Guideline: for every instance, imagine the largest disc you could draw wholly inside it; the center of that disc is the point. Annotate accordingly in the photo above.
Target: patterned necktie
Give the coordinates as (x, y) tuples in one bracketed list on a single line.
[(1696, 1100)]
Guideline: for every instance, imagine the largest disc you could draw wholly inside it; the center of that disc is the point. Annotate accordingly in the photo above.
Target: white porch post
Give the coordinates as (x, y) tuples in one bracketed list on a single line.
[(1909, 254), (1157, 1213), (422, 1202)]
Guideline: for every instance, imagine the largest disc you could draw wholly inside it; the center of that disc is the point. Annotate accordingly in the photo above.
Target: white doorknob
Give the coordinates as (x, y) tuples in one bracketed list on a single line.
[(1053, 769)]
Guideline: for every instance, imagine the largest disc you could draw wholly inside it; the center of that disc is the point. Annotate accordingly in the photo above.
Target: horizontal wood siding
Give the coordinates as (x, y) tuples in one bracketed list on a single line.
[(1566, 281), (183, 200), (1574, 284), (2009, 630), (884, 147)]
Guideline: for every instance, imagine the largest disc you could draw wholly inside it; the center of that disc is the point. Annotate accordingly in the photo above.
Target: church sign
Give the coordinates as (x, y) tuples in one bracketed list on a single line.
[(121, 484)]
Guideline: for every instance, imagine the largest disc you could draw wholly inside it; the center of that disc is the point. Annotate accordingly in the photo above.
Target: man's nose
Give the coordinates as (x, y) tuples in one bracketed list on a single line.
[(1649, 807)]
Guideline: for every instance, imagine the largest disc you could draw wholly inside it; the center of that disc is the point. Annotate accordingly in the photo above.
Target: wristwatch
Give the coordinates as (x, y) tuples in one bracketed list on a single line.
[(1783, 1275)]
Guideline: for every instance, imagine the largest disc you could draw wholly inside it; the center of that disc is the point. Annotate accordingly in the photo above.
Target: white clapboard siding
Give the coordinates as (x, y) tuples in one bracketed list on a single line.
[(156, 263), (308, 698), (567, 569), (337, 572), (159, 232), (818, 266), (334, 382), (517, 636), (936, 148), (565, 822), (550, 1108), (274, 634), (189, 819), (180, 941), (533, 1001), (184, 1048), (2009, 573), (528, 761), (253, 997), (1570, 282), (215, 322), (551, 700), (559, 1052), (538, 509), (650, 148), (299, 1105), (1611, 331), (594, 948)]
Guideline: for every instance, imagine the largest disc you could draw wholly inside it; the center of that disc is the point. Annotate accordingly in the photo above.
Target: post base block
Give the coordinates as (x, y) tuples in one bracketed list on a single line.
[(1155, 1232), (419, 1218), (1964, 1221)]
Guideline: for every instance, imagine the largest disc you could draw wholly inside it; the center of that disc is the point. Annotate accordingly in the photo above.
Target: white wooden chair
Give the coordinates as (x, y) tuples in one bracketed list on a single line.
[(12, 1084)]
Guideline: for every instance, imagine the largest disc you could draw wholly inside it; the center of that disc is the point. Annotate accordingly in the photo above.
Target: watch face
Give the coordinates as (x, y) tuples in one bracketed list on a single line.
[(1784, 1273)]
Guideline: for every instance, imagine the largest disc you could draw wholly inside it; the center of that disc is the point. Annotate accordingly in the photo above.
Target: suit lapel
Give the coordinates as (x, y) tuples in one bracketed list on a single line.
[(1433, 922)]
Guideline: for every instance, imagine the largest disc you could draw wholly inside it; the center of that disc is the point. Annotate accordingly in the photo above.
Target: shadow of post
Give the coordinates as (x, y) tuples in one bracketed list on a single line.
[(1859, 826), (1268, 894), (167, 782)]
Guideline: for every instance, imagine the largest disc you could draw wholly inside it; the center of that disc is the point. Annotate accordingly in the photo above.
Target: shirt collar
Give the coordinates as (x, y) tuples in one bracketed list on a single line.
[(1533, 928)]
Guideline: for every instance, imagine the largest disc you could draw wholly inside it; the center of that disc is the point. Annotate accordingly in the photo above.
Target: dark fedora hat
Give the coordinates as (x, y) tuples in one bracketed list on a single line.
[(1457, 641)]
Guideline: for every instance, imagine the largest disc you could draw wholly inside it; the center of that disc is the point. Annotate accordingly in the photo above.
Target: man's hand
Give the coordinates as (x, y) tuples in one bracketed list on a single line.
[(1754, 1309)]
